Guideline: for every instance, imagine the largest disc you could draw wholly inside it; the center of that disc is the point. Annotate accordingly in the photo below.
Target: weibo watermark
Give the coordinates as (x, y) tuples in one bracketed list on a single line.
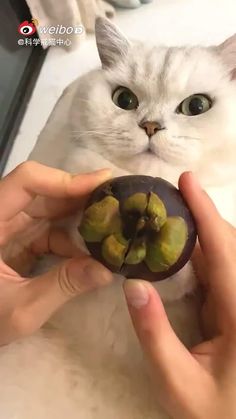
[(28, 29)]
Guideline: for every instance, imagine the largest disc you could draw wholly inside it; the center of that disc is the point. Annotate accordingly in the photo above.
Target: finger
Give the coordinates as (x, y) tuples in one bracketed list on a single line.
[(20, 223), (173, 365), (21, 255), (44, 207), (218, 244), (199, 265), (45, 294), (212, 229), (57, 242), (20, 187), (55, 208)]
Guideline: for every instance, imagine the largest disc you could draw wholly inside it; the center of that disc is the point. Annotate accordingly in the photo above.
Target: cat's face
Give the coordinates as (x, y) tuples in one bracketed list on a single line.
[(155, 107)]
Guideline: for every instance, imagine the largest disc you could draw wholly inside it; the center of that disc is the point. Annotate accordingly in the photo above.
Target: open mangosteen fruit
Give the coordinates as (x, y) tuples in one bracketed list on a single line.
[(139, 226)]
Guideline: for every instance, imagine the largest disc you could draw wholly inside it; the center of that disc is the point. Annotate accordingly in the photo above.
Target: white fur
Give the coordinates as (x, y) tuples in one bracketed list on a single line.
[(87, 363)]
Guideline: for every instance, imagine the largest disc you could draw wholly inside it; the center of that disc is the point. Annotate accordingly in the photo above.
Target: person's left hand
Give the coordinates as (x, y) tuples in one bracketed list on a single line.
[(30, 197)]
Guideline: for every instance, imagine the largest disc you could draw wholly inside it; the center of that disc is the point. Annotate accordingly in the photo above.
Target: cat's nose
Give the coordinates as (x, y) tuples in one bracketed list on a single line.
[(151, 127)]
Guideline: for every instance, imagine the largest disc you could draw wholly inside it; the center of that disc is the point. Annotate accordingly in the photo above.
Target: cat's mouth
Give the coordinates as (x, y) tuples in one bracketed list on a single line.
[(149, 150), (149, 153)]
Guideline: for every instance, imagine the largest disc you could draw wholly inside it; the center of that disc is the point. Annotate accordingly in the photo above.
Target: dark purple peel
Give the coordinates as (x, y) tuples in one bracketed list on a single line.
[(122, 188)]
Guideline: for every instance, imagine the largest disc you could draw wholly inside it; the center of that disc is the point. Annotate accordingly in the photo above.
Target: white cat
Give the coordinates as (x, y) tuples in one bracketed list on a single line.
[(86, 363)]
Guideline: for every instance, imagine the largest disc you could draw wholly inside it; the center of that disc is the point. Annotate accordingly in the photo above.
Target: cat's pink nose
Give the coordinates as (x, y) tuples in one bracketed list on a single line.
[(151, 127)]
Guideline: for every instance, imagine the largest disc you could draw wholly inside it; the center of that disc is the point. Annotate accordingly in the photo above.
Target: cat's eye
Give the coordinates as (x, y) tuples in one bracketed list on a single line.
[(125, 99), (195, 105)]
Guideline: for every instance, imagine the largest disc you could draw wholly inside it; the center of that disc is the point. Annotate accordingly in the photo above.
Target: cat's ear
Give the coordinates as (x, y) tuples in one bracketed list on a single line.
[(228, 53), (112, 44)]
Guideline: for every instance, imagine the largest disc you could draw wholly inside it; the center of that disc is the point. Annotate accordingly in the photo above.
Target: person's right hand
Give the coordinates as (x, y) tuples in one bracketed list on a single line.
[(201, 383)]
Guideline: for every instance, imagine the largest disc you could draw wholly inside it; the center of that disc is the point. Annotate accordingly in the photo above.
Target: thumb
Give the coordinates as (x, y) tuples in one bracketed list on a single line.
[(172, 364), (46, 293)]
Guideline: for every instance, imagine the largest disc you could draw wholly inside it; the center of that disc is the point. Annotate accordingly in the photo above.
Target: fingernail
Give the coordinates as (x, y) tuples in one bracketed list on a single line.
[(136, 293), (103, 173), (97, 274), (194, 181)]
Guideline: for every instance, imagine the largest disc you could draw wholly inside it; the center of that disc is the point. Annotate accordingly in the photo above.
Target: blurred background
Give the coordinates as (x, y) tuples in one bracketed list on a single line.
[(34, 74)]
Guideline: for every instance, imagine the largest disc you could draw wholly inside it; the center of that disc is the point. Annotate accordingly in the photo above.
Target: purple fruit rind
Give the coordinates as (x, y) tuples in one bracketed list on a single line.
[(123, 187)]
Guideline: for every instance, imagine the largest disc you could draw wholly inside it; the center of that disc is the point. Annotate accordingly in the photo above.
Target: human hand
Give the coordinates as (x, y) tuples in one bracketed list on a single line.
[(30, 197), (200, 383)]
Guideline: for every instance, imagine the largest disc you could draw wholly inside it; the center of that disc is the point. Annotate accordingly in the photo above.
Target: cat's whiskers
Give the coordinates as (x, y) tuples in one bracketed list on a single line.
[(109, 141), (187, 137), (114, 137), (81, 134), (80, 99)]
